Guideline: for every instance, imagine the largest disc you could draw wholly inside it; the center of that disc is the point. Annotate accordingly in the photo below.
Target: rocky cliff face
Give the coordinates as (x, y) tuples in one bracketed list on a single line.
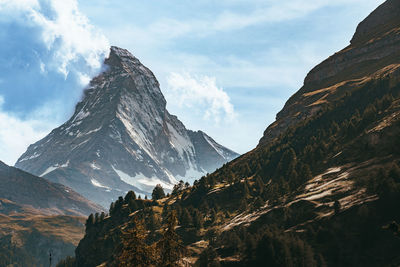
[(121, 137), (373, 54)]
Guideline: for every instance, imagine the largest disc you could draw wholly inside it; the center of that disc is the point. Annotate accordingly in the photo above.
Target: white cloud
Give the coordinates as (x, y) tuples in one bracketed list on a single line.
[(62, 41), (199, 94), (16, 134), (65, 31)]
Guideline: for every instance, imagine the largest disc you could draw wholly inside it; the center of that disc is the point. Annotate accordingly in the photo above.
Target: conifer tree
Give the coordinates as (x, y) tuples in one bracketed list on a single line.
[(89, 221), (158, 192), (130, 196), (197, 219), (186, 218), (102, 216), (135, 251), (170, 246), (112, 207)]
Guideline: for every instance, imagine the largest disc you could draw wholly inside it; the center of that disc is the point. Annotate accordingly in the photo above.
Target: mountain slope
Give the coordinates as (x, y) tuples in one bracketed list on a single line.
[(372, 55), (26, 189), (37, 216), (322, 188), (121, 138)]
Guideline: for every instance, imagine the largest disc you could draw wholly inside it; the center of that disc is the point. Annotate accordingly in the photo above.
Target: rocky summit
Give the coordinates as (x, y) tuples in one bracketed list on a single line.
[(121, 137)]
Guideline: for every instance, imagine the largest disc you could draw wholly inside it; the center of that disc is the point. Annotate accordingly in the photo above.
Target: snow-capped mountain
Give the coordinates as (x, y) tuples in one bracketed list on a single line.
[(121, 137)]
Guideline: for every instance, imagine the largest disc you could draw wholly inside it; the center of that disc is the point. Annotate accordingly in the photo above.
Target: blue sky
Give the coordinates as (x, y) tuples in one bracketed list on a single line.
[(225, 67)]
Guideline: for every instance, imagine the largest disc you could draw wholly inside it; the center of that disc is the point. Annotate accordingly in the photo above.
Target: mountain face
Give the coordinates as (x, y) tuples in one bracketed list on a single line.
[(37, 216), (121, 137), (373, 54), (322, 188)]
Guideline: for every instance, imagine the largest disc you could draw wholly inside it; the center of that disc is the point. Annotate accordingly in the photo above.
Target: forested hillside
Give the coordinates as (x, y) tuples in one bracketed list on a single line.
[(321, 189)]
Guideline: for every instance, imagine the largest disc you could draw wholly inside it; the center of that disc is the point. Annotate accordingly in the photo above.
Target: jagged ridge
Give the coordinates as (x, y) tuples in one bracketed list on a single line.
[(121, 138)]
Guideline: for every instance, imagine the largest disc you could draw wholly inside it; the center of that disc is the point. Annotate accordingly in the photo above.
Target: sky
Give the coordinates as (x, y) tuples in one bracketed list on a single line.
[(225, 67)]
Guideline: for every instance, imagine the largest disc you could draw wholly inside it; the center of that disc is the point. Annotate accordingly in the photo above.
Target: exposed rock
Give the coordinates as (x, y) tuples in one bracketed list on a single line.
[(373, 54), (121, 137)]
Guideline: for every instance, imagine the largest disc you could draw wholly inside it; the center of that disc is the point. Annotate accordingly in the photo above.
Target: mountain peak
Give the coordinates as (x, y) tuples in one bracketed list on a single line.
[(120, 52), (121, 137), (380, 21), (373, 54), (118, 55)]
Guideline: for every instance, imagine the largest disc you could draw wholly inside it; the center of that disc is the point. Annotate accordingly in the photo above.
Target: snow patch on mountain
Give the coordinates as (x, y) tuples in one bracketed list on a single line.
[(191, 175), (35, 155), (89, 132), (54, 167), (48, 170), (180, 143), (137, 135), (94, 166), (98, 184), (142, 182)]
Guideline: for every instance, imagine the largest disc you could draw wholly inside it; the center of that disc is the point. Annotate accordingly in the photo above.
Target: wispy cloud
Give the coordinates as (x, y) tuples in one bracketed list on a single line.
[(16, 134), (200, 95), (65, 31), (49, 52), (234, 15)]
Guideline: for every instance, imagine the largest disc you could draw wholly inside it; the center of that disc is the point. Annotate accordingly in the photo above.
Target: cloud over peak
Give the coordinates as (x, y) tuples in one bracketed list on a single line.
[(49, 52), (201, 95)]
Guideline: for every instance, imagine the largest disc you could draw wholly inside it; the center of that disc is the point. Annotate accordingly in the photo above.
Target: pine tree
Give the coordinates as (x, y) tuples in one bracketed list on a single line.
[(102, 216), (259, 185), (96, 218), (158, 192), (186, 218), (153, 222), (112, 208), (89, 222), (178, 187), (246, 192), (197, 219), (130, 196), (135, 251), (213, 216), (132, 205), (170, 246)]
